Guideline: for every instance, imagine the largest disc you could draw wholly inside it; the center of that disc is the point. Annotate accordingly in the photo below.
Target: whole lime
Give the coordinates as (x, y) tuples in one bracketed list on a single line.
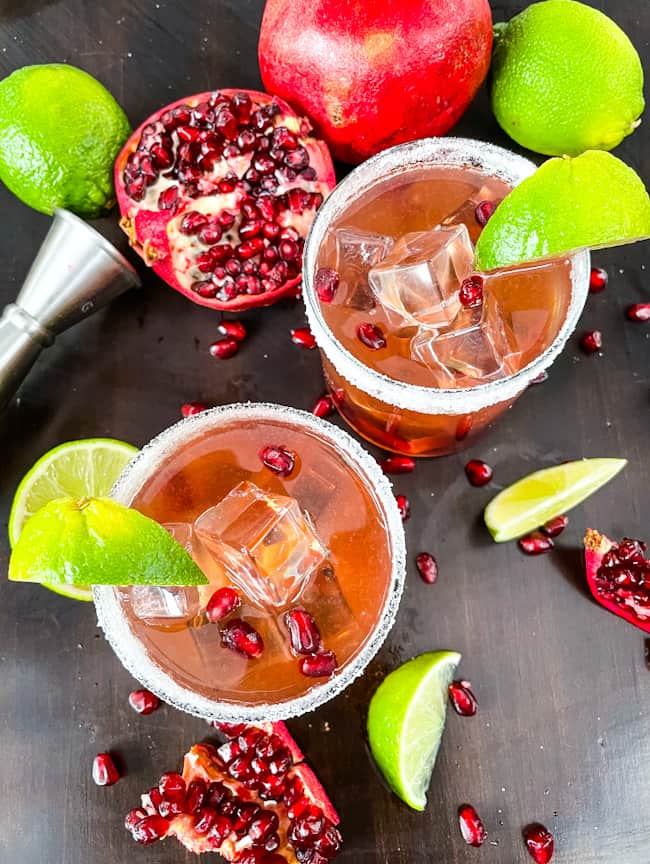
[(565, 79), (61, 133)]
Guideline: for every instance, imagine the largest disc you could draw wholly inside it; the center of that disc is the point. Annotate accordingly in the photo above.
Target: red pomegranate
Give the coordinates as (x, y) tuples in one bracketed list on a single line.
[(217, 193), (253, 800), (619, 577), (371, 75)]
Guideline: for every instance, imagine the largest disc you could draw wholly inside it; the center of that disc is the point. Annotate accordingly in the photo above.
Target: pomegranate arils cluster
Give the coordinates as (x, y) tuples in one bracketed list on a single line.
[(623, 579), (305, 639)]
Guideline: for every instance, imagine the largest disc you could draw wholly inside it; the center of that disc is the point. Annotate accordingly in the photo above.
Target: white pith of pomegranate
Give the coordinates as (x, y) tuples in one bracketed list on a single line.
[(253, 800), (618, 575), (217, 193)]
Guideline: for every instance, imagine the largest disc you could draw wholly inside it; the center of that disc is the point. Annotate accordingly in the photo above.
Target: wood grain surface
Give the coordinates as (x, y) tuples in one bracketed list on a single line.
[(563, 730)]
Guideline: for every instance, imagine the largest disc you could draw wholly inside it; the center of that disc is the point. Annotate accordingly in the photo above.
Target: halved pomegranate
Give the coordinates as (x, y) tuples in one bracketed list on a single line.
[(252, 800), (619, 577), (217, 193)]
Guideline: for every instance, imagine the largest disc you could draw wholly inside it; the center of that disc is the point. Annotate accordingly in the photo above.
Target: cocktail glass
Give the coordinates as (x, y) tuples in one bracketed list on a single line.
[(351, 509)]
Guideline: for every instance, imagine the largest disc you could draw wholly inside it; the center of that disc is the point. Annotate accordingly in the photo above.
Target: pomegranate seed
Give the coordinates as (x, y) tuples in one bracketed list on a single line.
[(224, 601), (371, 335), (478, 473), (597, 280), (168, 199), (263, 824), (196, 794), (427, 567), (535, 543), (303, 337), (591, 341), (150, 829), (303, 631), (539, 379), (152, 800), (192, 221), (471, 292), (326, 284), (554, 527), (105, 771), (230, 730), (222, 349), (397, 465), (143, 701), (462, 699), (210, 234), (192, 408), (220, 830), (484, 209), (204, 820), (404, 507), (133, 817), (288, 250), (232, 329), (539, 842), (639, 312), (471, 827), (239, 636), (318, 665), (171, 785), (279, 460), (464, 428)]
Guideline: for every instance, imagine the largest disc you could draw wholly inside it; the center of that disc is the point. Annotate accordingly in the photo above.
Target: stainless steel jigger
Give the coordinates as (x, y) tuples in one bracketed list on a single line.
[(75, 272)]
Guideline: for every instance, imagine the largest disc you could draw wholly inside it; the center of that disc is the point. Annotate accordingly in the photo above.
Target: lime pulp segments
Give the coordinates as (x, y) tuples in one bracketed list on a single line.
[(540, 496), (406, 720)]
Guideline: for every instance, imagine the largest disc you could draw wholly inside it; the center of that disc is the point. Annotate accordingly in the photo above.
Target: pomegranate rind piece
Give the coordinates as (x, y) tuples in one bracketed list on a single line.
[(596, 546)]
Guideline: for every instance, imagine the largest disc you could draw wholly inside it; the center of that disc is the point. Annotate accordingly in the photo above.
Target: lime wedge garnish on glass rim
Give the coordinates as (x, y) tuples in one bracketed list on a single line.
[(540, 496), (590, 201), (406, 719), (96, 541), (86, 467)]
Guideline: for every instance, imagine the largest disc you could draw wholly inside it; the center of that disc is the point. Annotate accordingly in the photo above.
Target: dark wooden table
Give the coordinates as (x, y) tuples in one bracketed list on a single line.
[(563, 731)]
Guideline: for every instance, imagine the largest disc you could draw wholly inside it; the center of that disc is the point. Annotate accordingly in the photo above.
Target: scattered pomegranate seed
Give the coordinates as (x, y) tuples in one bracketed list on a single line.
[(597, 280), (463, 701), (105, 771), (427, 567), (404, 507), (239, 636), (591, 341), (318, 665), (192, 408), (478, 473), (327, 283), (371, 335), (484, 209), (539, 842), (323, 407), (222, 349), (303, 337), (471, 827), (150, 829), (471, 292), (143, 701), (639, 312), (539, 379), (397, 464), (224, 601), (535, 543), (303, 631), (554, 527), (133, 817), (233, 330), (279, 460), (464, 428)]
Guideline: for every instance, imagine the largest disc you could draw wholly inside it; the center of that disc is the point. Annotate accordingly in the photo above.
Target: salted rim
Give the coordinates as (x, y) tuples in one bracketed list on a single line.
[(463, 152), (130, 649)]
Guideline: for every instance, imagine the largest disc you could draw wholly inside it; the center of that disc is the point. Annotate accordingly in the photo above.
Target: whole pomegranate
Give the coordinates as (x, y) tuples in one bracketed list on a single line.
[(372, 74), (217, 193)]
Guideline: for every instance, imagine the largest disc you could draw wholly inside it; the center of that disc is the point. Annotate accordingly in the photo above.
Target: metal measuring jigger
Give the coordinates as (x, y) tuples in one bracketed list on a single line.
[(75, 272)]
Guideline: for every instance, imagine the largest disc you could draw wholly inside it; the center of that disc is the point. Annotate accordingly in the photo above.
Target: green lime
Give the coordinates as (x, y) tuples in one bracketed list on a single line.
[(406, 720), (590, 201), (540, 496), (87, 467), (61, 133), (565, 79), (96, 541)]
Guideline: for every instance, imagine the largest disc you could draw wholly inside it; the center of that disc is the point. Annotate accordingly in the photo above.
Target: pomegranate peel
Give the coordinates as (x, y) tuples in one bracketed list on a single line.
[(618, 576)]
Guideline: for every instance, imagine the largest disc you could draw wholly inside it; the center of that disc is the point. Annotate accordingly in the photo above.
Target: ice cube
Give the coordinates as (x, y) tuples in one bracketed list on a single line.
[(356, 252), (326, 602), (182, 533), (418, 282), (267, 544), (466, 212), (478, 344), (165, 606)]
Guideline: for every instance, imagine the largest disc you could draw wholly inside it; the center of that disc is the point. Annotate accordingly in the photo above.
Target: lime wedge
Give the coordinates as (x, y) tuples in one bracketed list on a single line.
[(96, 541), (540, 496), (406, 719), (591, 201)]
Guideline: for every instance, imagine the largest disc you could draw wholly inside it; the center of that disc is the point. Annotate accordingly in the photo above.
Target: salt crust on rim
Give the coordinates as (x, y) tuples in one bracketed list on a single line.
[(130, 650), (429, 152)]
